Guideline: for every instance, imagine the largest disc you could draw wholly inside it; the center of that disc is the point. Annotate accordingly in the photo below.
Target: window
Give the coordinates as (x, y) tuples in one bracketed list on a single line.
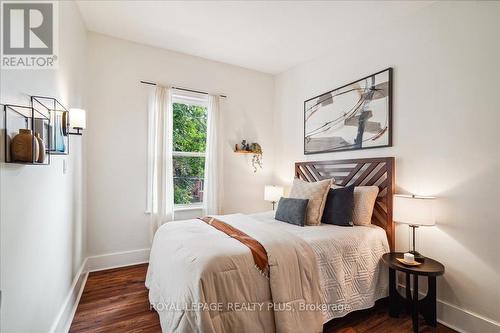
[(189, 143)]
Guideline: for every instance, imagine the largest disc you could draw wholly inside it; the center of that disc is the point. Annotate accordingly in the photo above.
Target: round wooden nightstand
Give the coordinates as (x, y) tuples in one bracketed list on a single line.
[(426, 306)]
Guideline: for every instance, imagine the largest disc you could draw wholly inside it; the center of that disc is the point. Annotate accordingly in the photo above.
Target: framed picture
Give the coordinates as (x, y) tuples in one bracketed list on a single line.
[(355, 116)]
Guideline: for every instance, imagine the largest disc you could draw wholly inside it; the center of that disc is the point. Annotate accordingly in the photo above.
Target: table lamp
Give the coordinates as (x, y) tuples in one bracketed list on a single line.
[(415, 211), (273, 193)]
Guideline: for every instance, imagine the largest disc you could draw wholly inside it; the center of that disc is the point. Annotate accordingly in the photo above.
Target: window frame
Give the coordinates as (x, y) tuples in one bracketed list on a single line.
[(189, 99)]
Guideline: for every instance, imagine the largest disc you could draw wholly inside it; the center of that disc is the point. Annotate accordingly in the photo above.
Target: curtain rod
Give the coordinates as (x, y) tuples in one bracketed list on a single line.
[(184, 89)]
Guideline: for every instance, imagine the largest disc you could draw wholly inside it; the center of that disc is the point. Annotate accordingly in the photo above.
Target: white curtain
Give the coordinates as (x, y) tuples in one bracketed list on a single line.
[(212, 190), (160, 200)]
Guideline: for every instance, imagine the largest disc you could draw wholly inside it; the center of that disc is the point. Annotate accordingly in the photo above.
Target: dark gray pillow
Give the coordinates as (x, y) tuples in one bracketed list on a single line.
[(339, 206), (291, 210)]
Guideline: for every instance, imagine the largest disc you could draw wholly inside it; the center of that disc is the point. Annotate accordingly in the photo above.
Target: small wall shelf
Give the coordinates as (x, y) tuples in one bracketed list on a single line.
[(19, 118), (33, 133), (240, 151), (58, 115), (253, 149)]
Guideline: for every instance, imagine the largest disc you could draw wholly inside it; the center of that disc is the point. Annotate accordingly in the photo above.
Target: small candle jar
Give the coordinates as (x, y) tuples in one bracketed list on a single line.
[(408, 257)]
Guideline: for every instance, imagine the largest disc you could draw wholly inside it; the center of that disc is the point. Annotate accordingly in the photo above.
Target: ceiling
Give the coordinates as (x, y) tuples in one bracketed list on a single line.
[(268, 36)]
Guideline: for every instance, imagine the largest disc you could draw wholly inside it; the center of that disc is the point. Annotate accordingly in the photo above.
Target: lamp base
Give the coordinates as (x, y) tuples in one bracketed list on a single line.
[(418, 256)]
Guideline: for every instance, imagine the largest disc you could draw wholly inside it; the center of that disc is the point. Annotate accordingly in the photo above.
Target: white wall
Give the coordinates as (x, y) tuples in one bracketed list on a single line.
[(42, 221), (117, 134), (446, 61)]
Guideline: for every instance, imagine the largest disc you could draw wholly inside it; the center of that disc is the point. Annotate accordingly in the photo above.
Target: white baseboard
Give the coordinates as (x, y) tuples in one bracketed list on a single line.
[(65, 316), (117, 259), (464, 321), (461, 320)]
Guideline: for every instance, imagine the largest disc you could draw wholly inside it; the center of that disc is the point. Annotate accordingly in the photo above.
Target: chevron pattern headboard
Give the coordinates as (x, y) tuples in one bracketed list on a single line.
[(360, 172)]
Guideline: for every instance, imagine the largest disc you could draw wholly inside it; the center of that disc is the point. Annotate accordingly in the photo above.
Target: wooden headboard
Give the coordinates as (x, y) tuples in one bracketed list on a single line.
[(360, 172)]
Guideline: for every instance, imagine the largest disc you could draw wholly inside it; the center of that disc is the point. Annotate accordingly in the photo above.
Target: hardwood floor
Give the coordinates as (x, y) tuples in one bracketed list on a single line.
[(116, 300)]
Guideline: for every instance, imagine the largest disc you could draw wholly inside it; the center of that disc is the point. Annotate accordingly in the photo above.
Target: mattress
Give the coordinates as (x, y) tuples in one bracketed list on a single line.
[(352, 276)]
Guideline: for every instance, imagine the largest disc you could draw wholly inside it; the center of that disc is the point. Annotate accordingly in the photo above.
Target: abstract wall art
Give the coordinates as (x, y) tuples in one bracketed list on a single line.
[(357, 115)]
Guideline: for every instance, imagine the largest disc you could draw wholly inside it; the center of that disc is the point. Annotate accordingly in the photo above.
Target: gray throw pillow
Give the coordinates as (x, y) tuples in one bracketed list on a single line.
[(293, 211)]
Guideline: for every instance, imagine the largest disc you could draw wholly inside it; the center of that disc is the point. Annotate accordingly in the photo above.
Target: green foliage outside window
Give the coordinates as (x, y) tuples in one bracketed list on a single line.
[(190, 135)]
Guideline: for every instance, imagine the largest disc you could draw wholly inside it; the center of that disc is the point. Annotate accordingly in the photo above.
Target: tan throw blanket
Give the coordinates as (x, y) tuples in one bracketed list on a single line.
[(259, 253), (194, 263)]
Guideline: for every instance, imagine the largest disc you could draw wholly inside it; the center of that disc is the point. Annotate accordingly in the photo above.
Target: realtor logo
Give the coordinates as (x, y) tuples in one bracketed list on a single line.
[(29, 32)]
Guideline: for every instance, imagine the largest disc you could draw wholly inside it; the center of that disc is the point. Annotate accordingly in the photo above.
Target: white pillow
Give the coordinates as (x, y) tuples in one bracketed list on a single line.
[(364, 201), (316, 192)]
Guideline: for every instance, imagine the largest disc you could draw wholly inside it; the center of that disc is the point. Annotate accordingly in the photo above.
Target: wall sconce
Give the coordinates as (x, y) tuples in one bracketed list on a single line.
[(76, 120)]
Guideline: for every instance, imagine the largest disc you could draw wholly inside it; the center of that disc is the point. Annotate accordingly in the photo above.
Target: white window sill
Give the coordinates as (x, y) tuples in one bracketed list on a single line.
[(179, 208)]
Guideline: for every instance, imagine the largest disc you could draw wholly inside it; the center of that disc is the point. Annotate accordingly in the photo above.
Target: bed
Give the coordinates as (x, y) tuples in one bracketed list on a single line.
[(202, 280)]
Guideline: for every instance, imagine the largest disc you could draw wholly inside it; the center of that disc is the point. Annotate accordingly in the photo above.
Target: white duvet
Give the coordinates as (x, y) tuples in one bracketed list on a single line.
[(352, 276), (202, 280)]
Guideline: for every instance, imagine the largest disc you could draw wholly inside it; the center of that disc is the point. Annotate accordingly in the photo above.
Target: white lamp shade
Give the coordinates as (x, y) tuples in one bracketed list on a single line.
[(273, 193), (414, 210), (77, 118)]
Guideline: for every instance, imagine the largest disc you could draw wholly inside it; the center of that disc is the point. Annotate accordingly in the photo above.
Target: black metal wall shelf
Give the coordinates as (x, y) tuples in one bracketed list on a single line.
[(19, 117), (47, 119), (59, 121)]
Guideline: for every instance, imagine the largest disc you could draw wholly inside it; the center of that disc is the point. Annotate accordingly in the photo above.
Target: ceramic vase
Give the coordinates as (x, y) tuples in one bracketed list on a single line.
[(23, 148), (41, 148)]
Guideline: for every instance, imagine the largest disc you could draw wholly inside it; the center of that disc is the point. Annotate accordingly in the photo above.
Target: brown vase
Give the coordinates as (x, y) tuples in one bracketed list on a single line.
[(23, 148), (41, 148)]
